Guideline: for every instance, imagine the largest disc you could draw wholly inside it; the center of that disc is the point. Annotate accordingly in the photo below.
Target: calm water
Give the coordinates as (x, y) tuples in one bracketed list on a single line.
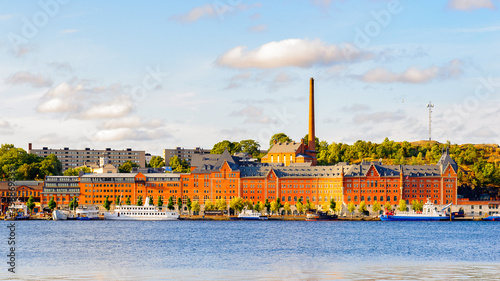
[(261, 250)]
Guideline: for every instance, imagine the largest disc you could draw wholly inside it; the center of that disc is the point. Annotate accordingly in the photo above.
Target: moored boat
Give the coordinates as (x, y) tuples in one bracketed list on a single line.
[(59, 215), (250, 215), (17, 211), (146, 212), (87, 213), (491, 218), (319, 216), (429, 213)]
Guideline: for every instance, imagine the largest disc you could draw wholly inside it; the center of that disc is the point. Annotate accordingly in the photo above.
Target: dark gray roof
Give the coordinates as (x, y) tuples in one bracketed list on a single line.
[(446, 160)]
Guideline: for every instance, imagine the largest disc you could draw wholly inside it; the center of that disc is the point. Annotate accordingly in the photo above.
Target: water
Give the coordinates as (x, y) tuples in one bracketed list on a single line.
[(256, 250)]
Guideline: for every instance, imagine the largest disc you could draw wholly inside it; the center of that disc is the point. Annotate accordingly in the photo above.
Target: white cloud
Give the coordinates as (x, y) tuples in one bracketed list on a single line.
[(5, 124), (210, 11), (291, 52), (483, 132), (258, 28), (413, 74), (62, 98), (356, 107), (253, 114), (6, 128), (139, 134), (130, 122), (468, 5), (111, 109), (23, 77)]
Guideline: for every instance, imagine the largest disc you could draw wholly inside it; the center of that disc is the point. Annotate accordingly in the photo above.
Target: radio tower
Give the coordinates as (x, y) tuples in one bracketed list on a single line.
[(430, 106)]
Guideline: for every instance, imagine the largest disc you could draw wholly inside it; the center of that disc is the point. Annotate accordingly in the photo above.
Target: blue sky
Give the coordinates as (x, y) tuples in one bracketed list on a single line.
[(159, 74)]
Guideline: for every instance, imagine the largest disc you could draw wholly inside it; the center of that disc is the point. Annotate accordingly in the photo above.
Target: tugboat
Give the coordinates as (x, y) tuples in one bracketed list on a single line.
[(429, 213), (313, 215)]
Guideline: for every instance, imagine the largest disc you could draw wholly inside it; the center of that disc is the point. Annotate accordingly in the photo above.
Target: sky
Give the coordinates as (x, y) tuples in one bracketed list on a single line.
[(151, 75)]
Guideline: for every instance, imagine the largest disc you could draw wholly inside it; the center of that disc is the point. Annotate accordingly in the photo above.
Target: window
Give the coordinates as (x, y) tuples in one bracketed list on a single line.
[(395, 198)]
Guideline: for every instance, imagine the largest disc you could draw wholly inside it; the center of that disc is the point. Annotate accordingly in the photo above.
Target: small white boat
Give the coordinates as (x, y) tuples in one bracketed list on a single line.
[(87, 213), (146, 212), (59, 215), (17, 211), (429, 213), (250, 215)]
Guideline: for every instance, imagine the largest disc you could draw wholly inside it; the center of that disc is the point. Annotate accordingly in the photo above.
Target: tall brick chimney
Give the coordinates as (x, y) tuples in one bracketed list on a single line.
[(312, 137), (30, 147)]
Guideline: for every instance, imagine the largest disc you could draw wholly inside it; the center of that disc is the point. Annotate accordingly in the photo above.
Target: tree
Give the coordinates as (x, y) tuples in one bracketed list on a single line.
[(249, 204), (170, 204), (127, 167), (259, 206), (232, 147), (237, 204), (77, 170), (267, 205), (73, 204), (362, 207), (30, 204), (209, 206), (179, 166), (188, 204), (402, 205), (139, 201), (179, 204), (107, 203), (251, 147), (287, 208), (157, 162), (325, 207), (388, 207), (128, 201), (417, 205), (351, 207), (274, 207), (52, 204), (160, 201), (279, 137), (196, 207), (376, 207), (220, 204), (151, 202), (300, 207), (333, 205)]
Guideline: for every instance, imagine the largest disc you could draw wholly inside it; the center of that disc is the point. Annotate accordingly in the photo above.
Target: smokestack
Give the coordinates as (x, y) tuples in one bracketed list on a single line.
[(312, 137), (30, 147)]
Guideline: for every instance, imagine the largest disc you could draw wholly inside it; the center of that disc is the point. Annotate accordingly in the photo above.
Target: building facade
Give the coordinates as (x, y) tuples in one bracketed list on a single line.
[(72, 158), (183, 153)]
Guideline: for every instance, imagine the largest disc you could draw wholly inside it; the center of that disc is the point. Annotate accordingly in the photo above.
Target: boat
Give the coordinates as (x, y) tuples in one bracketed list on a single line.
[(249, 215), (17, 211), (428, 213), (491, 218), (146, 212), (85, 213), (313, 215), (59, 215)]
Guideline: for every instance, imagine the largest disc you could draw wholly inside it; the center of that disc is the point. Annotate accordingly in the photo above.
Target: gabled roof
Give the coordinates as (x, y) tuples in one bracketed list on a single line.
[(446, 160), (285, 147)]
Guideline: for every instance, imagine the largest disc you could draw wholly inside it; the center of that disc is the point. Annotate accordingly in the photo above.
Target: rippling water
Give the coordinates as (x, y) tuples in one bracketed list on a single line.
[(257, 250)]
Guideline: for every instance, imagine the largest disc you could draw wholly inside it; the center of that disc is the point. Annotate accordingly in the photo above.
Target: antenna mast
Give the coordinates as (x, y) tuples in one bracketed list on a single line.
[(430, 106)]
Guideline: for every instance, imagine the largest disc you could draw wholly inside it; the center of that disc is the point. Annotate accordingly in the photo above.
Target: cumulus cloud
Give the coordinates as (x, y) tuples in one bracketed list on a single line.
[(62, 98), (413, 74), (138, 134), (210, 11), (33, 80), (302, 53), (253, 114), (378, 117), (469, 5), (111, 109)]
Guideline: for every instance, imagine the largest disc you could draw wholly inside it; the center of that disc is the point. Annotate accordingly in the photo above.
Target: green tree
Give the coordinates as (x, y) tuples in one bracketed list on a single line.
[(351, 207), (376, 207), (139, 201), (127, 201), (76, 171), (127, 167), (333, 205), (309, 205), (188, 204), (160, 201), (237, 203), (259, 206), (221, 204), (267, 205), (388, 207), (107, 203), (52, 204), (362, 207), (196, 206), (209, 206), (73, 204), (279, 137), (417, 205), (157, 162), (117, 200), (251, 147), (170, 204), (151, 202), (30, 204), (402, 205), (179, 166), (179, 204), (287, 208), (274, 206), (232, 147), (249, 204), (300, 207)]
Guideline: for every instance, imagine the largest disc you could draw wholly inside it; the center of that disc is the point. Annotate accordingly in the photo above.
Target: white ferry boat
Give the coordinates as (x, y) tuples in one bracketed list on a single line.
[(146, 212), (429, 213), (59, 215), (250, 215), (87, 213)]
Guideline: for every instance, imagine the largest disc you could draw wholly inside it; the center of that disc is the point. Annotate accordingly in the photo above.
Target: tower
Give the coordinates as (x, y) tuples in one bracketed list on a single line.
[(311, 145)]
